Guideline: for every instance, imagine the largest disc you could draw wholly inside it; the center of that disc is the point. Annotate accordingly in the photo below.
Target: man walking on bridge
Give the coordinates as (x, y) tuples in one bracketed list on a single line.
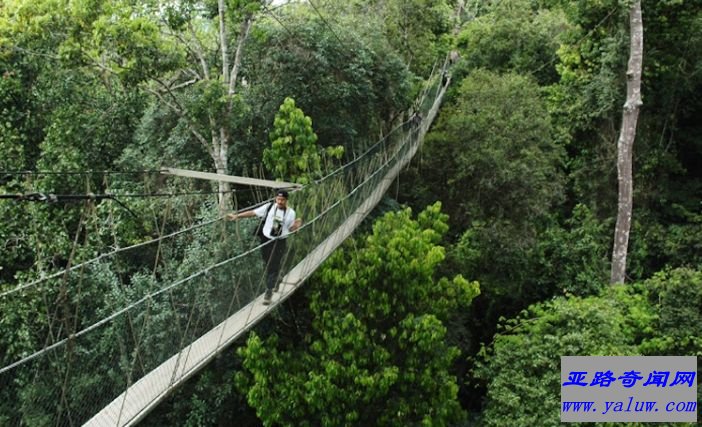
[(278, 222)]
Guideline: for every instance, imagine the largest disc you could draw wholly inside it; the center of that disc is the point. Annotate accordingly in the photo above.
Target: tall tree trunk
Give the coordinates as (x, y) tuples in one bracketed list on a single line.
[(625, 145), (222, 165), (220, 149)]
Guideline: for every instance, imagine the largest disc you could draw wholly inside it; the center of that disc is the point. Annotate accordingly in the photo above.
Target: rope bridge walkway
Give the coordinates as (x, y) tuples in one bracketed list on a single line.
[(112, 337)]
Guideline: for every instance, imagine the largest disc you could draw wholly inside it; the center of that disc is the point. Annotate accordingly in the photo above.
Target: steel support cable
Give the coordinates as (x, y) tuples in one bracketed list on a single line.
[(54, 198), (261, 282), (313, 221), (185, 331), (130, 322), (214, 220), (327, 25), (193, 313), (61, 303), (275, 17), (141, 410), (235, 294), (234, 299), (62, 290), (362, 155), (95, 196), (86, 172), (183, 335), (370, 149), (116, 251), (580, 40), (324, 21)]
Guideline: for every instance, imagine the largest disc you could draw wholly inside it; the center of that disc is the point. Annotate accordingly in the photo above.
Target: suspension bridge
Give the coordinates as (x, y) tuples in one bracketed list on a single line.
[(114, 339)]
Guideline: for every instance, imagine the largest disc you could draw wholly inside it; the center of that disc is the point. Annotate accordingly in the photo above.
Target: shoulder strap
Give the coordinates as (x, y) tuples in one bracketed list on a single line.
[(265, 217)]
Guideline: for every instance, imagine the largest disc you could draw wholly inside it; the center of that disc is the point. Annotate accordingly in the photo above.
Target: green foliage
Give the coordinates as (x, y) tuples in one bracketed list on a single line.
[(417, 29), (376, 352), (586, 104), (72, 81), (490, 156), (522, 365), (72, 76), (132, 45), (353, 86), (514, 36), (660, 316), (294, 155), (11, 121), (514, 273), (676, 296), (665, 241), (574, 258)]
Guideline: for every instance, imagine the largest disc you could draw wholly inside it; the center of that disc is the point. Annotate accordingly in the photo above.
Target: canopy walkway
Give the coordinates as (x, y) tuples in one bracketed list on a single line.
[(128, 355)]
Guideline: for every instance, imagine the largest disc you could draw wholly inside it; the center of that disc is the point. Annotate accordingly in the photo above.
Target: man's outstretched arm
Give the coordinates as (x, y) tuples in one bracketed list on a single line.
[(234, 216)]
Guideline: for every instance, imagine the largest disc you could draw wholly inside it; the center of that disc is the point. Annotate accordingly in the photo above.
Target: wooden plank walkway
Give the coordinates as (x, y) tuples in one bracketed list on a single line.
[(229, 178), (142, 396)]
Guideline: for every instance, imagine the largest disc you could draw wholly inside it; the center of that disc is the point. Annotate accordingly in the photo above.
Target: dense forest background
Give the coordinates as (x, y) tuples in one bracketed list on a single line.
[(487, 261)]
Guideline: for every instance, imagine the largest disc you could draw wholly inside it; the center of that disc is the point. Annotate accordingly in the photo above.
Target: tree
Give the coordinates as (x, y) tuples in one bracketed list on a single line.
[(584, 103), (521, 366), (57, 113), (676, 295), (625, 146), (294, 154), (659, 316), (513, 36), (355, 86), (491, 156), (586, 109), (376, 351), (215, 80), (419, 30)]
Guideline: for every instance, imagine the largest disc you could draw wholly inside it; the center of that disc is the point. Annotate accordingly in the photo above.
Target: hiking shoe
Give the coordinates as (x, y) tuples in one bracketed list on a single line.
[(267, 297)]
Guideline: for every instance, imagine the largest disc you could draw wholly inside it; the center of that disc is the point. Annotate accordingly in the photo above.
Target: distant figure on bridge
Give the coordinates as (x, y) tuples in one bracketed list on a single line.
[(416, 118), (278, 223)]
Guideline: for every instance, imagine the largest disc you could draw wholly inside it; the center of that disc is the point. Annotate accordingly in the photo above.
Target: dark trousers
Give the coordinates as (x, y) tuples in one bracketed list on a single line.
[(273, 254)]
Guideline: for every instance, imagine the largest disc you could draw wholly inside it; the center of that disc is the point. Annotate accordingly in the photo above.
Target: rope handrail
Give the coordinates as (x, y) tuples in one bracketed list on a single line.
[(118, 250)]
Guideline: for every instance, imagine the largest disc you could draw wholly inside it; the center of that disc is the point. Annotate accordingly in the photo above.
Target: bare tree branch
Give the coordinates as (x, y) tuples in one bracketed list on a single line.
[(184, 84), (193, 72), (243, 35), (223, 42), (199, 51), (173, 106)]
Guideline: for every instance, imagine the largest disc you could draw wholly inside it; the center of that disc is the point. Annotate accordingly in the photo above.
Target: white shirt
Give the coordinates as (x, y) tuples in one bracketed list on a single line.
[(284, 217)]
